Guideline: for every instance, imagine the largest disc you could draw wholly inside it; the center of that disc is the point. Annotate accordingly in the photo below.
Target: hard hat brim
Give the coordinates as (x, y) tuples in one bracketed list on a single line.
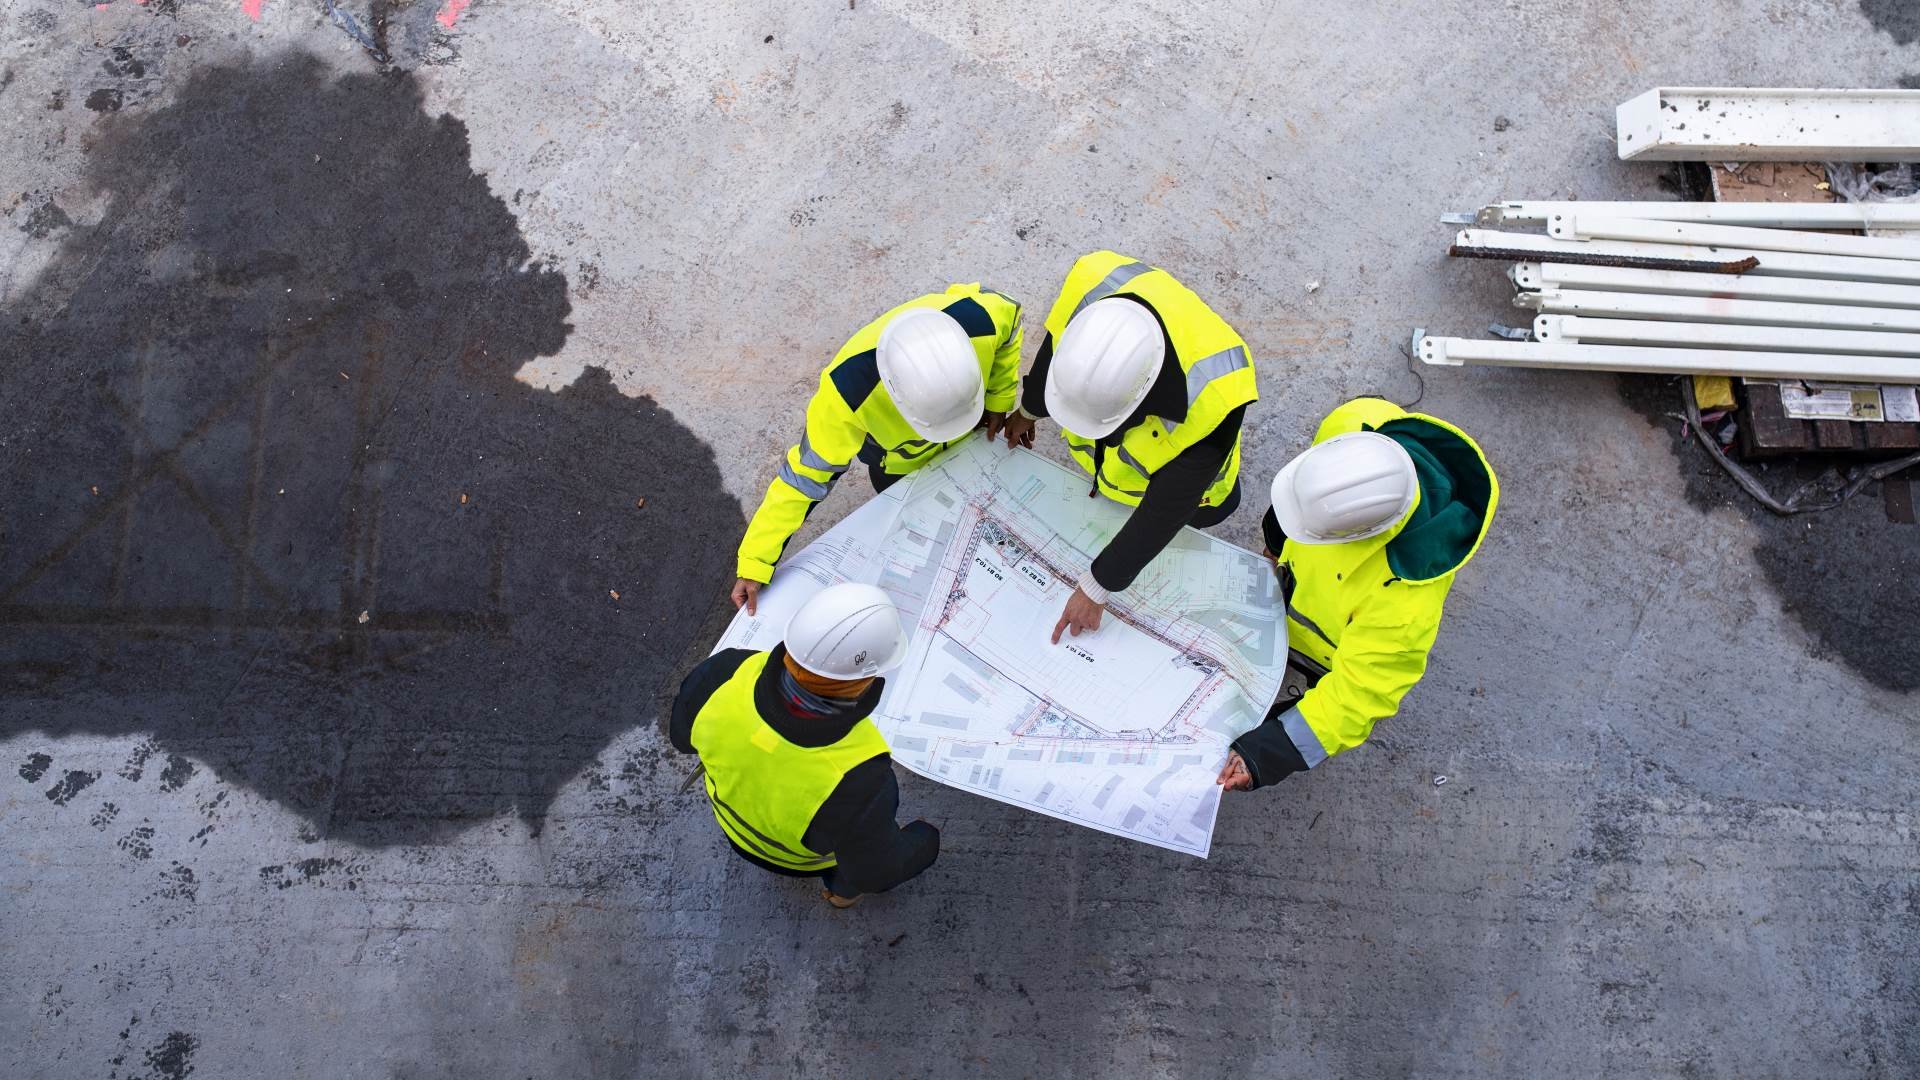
[(949, 430), (1080, 423), (1286, 506)]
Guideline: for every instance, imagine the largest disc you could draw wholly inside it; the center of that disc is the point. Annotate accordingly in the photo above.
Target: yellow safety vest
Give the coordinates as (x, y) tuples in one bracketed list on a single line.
[(851, 406), (1354, 615), (764, 789), (1218, 367)]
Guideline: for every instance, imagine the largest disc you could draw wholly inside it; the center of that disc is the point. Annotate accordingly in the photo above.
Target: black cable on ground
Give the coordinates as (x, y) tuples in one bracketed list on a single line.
[(1858, 479), (1415, 372)]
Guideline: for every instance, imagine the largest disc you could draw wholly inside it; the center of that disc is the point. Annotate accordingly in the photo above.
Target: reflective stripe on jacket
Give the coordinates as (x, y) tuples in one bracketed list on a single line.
[(1218, 367), (1352, 612), (765, 790), (851, 407)]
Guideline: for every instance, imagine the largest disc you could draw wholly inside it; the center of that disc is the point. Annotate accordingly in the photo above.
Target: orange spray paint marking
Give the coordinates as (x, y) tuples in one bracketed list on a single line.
[(450, 12)]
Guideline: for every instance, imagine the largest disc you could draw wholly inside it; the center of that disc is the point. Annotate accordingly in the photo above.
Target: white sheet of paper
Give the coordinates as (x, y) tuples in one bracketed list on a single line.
[(1901, 403)]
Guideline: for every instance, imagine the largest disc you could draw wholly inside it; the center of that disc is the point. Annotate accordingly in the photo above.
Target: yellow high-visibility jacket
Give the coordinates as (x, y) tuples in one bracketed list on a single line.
[(1369, 610), (851, 408), (1216, 362), (765, 790)]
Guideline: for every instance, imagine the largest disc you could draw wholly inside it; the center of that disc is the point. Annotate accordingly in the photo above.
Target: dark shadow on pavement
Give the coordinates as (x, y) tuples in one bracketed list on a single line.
[(270, 494)]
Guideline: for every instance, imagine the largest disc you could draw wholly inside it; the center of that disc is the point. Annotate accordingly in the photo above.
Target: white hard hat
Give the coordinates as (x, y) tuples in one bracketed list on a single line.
[(930, 370), (847, 631), (1103, 365), (1349, 487)]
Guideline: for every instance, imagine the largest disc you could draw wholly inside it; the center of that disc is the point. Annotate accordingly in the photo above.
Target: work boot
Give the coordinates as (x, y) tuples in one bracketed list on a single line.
[(841, 902)]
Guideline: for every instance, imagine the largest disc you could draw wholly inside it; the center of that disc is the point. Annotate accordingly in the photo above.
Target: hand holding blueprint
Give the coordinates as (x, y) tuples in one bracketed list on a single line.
[(1122, 729)]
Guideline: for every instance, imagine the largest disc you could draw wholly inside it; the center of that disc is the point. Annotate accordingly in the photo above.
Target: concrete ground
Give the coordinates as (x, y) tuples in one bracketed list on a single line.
[(340, 345)]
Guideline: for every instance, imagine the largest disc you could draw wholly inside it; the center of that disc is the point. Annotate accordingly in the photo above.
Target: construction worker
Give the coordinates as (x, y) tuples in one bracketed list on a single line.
[(799, 778), (1149, 388), (909, 384), (1371, 523)]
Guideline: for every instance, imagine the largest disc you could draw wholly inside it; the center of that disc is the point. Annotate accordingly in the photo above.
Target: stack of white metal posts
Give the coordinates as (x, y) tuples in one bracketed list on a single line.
[(1760, 290)]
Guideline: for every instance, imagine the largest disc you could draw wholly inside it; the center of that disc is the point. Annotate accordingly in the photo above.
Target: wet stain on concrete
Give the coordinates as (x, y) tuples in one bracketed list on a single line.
[(45, 220), (1614, 827), (173, 1058), (121, 62), (319, 873), (105, 100), (178, 884), (1900, 18), (1849, 577), (178, 771), (136, 765), (138, 843), (36, 766), (70, 785), (292, 340)]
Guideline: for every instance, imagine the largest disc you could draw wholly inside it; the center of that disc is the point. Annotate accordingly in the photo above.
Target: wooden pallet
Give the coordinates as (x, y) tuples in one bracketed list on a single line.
[(1767, 431)]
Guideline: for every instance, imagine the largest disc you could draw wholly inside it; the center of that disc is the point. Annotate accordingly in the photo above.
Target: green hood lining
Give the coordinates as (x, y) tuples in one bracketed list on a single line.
[(1455, 488)]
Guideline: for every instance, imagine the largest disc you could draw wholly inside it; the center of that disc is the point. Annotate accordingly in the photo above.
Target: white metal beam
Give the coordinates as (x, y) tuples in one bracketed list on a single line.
[(1711, 309), (1772, 263), (1757, 124), (1826, 215), (1578, 329), (1533, 276), (1454, 352), (1584, 226)]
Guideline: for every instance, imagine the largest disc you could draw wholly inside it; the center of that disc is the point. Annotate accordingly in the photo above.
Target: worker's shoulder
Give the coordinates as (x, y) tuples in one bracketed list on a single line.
[(723, 664), (853, 375), (964, 305)]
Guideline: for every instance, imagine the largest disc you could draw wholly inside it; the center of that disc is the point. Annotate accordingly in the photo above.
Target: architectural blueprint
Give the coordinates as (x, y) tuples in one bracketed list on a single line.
[(1122, 729)]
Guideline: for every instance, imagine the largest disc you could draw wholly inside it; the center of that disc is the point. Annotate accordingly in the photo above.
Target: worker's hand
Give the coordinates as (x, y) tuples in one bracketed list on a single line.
[(993, 422), (1019, 431), (746, 592), (1081, 614), (1234, 775), (1273, 563)]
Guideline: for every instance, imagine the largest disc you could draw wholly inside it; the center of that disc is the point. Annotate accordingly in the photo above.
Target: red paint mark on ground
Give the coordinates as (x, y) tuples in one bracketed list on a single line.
[(252, 8), (450, 12)]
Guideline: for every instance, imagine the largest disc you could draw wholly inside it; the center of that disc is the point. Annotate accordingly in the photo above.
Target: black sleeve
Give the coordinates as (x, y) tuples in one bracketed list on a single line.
[(1272, 533), (1268, 750), (1033, 388), (696, 688), (856, 823), (1173, 494)]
